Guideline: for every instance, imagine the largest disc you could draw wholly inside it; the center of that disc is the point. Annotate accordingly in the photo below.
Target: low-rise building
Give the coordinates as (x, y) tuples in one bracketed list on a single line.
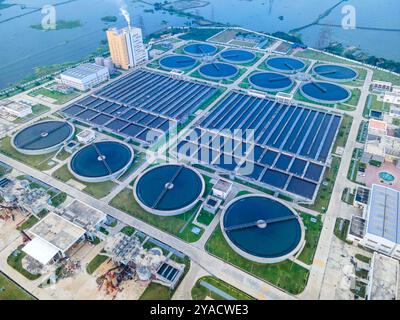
[(381, 86), (15, 109), (85, 76), (379, 227), (222, 189), (86, 136)]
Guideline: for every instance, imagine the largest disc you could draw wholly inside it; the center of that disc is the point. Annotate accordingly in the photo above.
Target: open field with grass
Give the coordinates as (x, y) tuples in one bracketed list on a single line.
[(95, 263), (9, 290), (125, 201), (313, 226), (386, 76), (199, 292), (14, 260), (286, 275), (59, 97), (98, 190), (39, 162)]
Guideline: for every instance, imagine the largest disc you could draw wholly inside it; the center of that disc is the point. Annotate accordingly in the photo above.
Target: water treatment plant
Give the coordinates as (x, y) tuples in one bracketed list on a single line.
[(43, 137), (224, 154), (262, 229), (169, 190), (101, 161)]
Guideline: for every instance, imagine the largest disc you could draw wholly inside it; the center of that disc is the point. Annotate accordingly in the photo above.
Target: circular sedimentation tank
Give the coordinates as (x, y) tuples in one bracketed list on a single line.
[(386, 176), (200, 49), (218, 71), (334, 72), (270, 81), (237, 56), (43, 137), (168, 189), (262, 229), (325, 92), (285, 64), (177, 62), (101, 161)]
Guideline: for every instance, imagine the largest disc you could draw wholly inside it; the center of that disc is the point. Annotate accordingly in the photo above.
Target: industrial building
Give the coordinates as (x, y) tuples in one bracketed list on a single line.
[(379, 226), (382, 143), (15, 109), (126, 47), (52, 237), (85, 76)]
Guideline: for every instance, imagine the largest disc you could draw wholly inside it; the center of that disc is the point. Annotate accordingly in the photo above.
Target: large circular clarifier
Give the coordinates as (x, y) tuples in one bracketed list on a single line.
[(218, 71), (325, 92), (101, 161), (285, 64), (43, 137), (169, 189), (200, 49), (237, 56), (270, 81), (262, 229), (334, 72), (177, 62)]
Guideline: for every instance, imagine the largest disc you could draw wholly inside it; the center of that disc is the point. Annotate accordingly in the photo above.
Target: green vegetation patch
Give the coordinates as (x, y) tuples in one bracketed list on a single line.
[(39, 162), (9, 290), (341, 229), (286, 275), (60, 25), (199, 292), (14, 260), (59, 97), (27, 224), (98, 190), (313, 226), (96, 262)]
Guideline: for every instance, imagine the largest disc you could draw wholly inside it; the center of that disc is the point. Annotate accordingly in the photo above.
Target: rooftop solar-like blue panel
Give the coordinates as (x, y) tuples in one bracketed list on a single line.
[(314, 172), (87, 115), (275, 178), (283, 162), (269, 158), (73, 110), (132, 130), (298, 167), (302, 187), (117, 124), (101, 119)]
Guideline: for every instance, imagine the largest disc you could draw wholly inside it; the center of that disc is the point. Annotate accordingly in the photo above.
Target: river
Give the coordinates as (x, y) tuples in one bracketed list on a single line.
[(23, 48)]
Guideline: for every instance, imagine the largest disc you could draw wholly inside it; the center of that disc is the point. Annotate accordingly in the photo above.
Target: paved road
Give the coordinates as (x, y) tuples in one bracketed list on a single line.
[(336, 206)]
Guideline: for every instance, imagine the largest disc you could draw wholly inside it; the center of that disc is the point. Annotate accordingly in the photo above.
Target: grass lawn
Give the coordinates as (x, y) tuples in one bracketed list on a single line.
[(341, 228), (363, 258), (205, 217), (98, 190), (39, 162), (125, 201), (374, 104), (325, 191), (60, 97), (286, 275), (128, 230), (386, 76), (9, 290), (313, 231), (200, 293), (355, 97), (63, 155), (320, 56), (27, 224), (58, 199), (344, 131), (15, 261), (95, 263)]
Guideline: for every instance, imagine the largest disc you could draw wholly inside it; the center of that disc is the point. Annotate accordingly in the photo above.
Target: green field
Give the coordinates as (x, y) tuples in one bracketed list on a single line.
[(27, 224), (95, 263), (319, 56), (15, 261), (199, 292), (313, 231), (125, 201), (386, 76), (374, 104), (9, 290), (39, 162), (286, 275), (60, 97), (98, 190)]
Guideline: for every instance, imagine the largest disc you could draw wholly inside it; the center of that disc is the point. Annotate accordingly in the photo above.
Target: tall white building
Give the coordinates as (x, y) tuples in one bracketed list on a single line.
[(126, 47)]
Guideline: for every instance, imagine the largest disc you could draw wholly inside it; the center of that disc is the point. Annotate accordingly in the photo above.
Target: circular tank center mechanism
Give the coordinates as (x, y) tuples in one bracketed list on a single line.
[(44, 134), (262, 224), (101, 158), (169, 186)]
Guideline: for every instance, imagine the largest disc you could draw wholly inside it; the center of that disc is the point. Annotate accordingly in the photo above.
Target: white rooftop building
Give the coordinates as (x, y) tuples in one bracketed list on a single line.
[(15, 109), (53, 236), (382, 216), (85, 76), (86, 136)]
